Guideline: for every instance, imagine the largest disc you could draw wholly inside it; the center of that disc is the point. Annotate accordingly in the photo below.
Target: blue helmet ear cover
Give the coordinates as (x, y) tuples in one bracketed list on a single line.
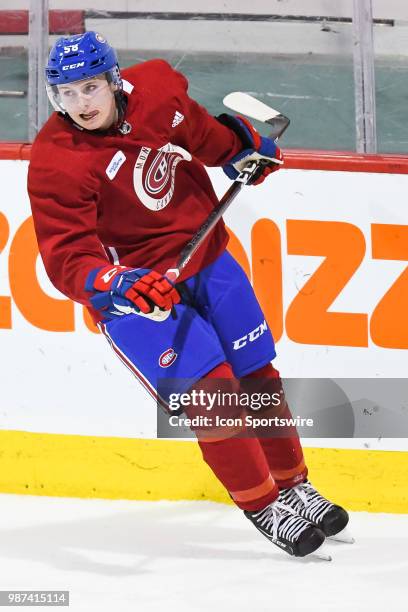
[(80, 57)]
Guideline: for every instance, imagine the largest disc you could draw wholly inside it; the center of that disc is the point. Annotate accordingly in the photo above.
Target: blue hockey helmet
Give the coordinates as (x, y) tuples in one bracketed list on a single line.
[(80, 57)]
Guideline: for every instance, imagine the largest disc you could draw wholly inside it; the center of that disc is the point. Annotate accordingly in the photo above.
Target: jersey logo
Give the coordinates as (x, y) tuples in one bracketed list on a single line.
[(154, 174), (115, 163), (110, 274), (167, 358), (177, 119), (250, 337)]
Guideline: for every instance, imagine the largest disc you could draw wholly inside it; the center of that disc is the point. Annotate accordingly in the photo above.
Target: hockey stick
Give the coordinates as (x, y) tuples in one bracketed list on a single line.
[(241, 102), (247, 105)]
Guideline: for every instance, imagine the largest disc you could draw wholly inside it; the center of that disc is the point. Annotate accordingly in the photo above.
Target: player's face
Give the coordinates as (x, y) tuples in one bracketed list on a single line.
[(90, 103)]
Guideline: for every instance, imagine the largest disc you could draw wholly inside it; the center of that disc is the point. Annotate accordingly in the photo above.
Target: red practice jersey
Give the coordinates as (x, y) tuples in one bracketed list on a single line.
[(134, 199)]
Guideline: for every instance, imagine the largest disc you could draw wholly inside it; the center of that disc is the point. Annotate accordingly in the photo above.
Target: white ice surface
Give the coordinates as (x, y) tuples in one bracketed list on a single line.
[(127, 556)]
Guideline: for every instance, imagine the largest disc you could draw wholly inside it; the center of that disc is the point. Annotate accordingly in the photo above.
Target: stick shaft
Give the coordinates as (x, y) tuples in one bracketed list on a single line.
[(279, 123), (212, 219)]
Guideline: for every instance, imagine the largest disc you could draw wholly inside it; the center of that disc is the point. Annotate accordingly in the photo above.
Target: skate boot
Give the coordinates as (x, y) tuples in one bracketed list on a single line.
[(309, 504), (292, 533)]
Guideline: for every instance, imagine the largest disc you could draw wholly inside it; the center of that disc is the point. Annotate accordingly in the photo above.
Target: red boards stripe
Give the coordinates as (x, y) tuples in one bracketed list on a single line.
[(60, 22)]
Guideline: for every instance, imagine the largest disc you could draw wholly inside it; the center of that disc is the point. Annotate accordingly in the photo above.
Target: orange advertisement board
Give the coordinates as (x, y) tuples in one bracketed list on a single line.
[(326, 249)]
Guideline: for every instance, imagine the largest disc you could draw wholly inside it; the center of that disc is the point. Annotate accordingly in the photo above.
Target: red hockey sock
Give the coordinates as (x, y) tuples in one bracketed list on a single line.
[(284, 455), (239, 463)]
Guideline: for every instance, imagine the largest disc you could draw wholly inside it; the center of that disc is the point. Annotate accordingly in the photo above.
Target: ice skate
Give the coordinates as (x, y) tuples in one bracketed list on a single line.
[(309, 504), (291, 532)]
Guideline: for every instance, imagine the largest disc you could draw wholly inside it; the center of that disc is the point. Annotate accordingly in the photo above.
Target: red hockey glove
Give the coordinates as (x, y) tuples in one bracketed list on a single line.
[(151, 288), (121, 290)]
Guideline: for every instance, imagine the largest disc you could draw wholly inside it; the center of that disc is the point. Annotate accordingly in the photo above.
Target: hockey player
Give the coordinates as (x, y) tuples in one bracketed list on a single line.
[(117, 187)]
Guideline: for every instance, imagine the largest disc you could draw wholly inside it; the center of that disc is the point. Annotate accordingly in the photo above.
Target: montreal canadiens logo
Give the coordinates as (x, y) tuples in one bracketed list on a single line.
[(167, 358), (154, 175)]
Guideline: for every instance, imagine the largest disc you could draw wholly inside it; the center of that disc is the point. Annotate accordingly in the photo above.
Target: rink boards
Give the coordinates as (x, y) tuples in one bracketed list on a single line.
[(331, 230)]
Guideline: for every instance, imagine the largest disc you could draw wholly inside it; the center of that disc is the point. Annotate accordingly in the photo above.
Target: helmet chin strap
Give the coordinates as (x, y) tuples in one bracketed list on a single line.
[(122, 126)]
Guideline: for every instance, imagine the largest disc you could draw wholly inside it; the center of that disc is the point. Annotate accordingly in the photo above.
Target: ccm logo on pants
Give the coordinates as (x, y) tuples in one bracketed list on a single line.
[(250, 337)]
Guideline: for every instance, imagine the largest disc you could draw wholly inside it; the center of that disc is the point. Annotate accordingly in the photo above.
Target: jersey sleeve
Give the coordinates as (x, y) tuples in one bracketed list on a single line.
[(65, 219), (206, 138)]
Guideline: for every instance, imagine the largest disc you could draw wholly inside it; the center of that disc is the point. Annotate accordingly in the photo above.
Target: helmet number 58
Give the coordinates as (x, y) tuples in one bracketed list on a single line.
[(70, 48)]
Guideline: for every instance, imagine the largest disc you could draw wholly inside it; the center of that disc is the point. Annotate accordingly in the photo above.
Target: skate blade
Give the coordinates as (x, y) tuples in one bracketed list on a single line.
[(320, 553), (343, 536), (321, 556)]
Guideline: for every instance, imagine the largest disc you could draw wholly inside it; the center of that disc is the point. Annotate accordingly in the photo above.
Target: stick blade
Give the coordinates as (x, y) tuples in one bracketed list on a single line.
[(241, 102)]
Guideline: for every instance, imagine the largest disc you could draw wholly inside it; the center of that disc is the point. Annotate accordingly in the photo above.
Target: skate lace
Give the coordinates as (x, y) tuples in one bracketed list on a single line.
[(305, 500), (281, 522)]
